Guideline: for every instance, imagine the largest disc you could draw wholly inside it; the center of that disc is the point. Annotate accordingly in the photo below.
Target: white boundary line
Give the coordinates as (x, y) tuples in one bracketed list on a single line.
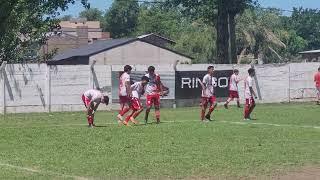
[(42, 172), (228, 122)]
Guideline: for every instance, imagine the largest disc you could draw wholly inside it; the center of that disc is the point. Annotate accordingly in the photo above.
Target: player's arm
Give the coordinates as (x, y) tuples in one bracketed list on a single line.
[(238, 79), (250, 84), (161, 88), (252, 92), (91, 104), (128, 88), (202, 83), (96, 106)]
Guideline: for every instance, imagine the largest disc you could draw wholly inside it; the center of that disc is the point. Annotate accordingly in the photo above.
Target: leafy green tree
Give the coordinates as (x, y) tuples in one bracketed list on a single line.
[(92, 14), (258, 34), (192, 37), (197, 41), (122, 18), (154, 19), (218, 13), (306, 24), (24, 23)]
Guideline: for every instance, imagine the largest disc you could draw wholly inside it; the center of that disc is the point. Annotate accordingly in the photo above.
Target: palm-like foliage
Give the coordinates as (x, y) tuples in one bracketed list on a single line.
[(257, 34)]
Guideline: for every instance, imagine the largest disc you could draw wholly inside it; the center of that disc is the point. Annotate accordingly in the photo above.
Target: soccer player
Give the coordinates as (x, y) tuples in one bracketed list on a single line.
[(208, 95), (249, 95), (137, 91), (153, 92), (317, 82), (233, 89), (125, 93), (92, 99)]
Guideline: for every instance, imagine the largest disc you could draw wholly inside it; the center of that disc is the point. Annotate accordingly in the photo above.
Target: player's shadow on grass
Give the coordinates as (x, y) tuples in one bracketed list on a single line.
[(150, 123), (101, 126)]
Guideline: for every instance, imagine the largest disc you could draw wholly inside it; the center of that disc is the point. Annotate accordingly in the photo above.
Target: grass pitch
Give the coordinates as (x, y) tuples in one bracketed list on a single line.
[(60, 146)]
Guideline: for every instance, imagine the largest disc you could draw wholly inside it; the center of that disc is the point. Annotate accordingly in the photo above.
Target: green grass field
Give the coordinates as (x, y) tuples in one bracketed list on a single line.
[(60, 146)]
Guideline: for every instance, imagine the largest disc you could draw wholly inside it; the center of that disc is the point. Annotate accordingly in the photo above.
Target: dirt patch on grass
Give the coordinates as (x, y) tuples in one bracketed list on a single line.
[(305, 173)]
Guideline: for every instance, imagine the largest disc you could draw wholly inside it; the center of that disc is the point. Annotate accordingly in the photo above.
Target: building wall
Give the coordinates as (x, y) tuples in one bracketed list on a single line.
[(137, 52), (42, 88)]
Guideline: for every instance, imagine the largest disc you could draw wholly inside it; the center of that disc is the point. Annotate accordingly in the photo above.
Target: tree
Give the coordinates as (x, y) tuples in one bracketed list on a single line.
[(155, 19), (122, 18), (218, 13), (24, 23), (193, 37), (92, 14), (197, 41), (306, 24), (259, 34)]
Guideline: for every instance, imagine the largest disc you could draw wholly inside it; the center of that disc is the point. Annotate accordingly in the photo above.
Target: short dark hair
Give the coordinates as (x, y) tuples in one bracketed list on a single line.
[(151, 69), (319, 68), (106, 99), (127, 68), (210, 67), (144, 78), (251, 70), (235, 70)]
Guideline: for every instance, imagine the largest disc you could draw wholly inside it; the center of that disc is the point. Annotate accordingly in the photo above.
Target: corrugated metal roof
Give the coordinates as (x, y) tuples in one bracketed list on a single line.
[(100, 46), (310, 52), (94, 48)]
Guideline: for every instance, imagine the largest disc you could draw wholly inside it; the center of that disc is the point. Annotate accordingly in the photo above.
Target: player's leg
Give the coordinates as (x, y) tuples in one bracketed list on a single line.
[(86, 103), (156, 103), (238, 102), (204, 104), (148, 108), (252, 106), (137, 113), (136, 110), (247, 109), (236, 96), (213, 105), (227, 102), (318, 95), (126, 121), (124, 107)]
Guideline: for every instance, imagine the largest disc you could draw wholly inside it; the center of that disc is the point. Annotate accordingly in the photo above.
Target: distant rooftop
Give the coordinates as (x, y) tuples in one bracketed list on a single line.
[(310, 52)]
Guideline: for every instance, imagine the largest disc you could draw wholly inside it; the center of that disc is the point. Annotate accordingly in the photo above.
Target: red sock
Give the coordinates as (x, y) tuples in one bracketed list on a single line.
[(211, 110), (124, 111), (90, 120), (136, 114), (128, 117)]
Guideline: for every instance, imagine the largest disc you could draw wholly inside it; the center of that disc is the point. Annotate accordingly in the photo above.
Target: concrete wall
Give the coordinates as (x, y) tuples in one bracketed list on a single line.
[(42, 88), (138, 52)]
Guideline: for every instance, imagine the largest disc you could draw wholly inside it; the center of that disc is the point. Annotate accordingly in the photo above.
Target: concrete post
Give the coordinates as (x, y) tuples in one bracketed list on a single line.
[(48, 89), (3, 87)]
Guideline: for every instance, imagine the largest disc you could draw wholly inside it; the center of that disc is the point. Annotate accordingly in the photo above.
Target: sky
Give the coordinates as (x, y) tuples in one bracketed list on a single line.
[(282, 4)]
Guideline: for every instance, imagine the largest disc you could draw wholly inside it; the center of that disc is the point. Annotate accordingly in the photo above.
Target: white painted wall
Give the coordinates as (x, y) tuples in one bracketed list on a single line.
[(137, 52), (28, 88)]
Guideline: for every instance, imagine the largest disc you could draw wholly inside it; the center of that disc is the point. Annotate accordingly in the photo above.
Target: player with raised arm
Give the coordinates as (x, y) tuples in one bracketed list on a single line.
[(153, 91), (125, 93), (92, 99), (137, 91), (208, 94), (233, 89), (317, 83), (249, 95)]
